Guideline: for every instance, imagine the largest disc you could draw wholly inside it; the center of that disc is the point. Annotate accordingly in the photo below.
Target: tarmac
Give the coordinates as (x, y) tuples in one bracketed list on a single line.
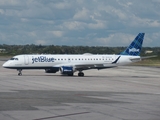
[(122, 93)]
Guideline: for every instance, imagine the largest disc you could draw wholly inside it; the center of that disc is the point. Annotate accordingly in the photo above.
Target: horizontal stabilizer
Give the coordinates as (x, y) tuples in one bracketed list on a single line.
[(147, 57)]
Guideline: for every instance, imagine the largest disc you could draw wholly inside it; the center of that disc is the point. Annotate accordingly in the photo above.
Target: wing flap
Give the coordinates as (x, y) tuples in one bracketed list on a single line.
[(93, 66)]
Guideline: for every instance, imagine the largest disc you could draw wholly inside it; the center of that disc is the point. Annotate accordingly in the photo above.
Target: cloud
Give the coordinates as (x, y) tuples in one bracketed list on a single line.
[(82, 14), (61, 5), (98, 25), (57, 33), (10, 2), (136, 22), (74, 25), (2, 11), (78, 22), (119, 38), (116, 12), (32, 34), (40, 42)]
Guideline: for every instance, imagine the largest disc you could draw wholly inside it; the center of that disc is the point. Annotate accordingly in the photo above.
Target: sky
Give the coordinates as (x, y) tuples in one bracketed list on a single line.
[(79, 22)]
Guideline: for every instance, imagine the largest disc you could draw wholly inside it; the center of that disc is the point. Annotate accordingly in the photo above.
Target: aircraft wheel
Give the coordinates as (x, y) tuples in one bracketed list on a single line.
[(81, 74), (19, 74), (71, 74)]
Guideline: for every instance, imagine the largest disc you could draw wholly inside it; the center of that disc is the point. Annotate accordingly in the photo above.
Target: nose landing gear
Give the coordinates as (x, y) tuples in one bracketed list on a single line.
[(20, 72)]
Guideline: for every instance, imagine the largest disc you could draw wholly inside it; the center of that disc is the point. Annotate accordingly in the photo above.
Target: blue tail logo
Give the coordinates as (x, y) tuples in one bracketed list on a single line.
[(135, 47)]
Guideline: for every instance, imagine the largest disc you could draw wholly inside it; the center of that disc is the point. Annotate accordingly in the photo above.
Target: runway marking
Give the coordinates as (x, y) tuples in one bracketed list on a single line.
[(62, 115)]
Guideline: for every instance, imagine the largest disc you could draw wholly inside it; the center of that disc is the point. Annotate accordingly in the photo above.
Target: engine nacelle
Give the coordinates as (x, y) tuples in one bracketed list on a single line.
[(52, 70), (66, 70)]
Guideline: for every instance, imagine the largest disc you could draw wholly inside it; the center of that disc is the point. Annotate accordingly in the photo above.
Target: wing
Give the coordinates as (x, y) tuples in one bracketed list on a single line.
[(94, 66)]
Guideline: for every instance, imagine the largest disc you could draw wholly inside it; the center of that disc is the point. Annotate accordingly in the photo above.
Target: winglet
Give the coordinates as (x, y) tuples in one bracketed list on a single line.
[(135, 47)]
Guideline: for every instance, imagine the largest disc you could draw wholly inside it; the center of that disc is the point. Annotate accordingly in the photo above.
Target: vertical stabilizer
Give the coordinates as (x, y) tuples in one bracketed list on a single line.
[(135, 47)]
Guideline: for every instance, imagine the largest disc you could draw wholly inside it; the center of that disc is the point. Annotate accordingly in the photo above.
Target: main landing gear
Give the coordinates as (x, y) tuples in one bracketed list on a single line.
[(81, 74), (20, 72)]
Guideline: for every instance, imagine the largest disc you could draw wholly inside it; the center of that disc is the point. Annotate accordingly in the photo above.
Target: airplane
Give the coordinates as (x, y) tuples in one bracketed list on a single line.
[(68, 64)]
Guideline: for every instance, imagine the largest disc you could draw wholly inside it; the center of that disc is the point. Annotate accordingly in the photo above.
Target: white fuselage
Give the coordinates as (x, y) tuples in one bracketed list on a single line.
[(43, 61)]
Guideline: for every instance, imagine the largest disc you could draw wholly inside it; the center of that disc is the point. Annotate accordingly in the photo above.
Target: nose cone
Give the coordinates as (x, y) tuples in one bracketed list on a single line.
[(6, 64)]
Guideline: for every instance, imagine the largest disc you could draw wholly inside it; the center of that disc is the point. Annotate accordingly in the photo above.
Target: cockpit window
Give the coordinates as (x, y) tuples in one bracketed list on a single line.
[(14, 59)]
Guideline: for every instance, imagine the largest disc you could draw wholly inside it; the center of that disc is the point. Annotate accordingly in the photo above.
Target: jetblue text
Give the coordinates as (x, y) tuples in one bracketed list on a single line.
[(42, 59)]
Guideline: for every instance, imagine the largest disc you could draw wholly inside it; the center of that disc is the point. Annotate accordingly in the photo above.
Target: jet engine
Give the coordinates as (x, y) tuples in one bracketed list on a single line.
[(67, 70), (52, 70)]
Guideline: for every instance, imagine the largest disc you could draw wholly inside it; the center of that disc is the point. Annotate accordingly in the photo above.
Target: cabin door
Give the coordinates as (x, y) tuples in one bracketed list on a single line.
[(26, 60)]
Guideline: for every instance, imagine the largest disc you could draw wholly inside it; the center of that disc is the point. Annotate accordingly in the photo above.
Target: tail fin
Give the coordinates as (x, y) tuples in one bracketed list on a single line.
[(135, 47)]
